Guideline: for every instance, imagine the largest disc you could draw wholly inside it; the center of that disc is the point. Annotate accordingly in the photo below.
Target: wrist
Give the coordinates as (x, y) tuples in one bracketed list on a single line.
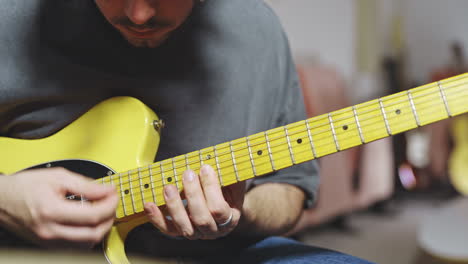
[(4, 193), (6, 186), (248, 225)]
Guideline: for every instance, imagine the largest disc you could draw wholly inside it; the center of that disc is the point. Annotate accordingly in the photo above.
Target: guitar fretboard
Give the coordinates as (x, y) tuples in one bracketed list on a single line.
[(282, 147)]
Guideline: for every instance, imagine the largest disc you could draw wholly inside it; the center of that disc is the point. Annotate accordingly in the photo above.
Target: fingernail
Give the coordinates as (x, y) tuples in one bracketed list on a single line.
[(189, 176), (206, 169), (169, 191)]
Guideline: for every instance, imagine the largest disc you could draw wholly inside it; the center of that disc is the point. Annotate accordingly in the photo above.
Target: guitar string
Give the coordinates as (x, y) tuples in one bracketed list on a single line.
[(128, 203), (313, 121), (282, 137), (400, 94), (286, 155), (316, 135), (300, 124), (156, 197), (362, 120), (409, 118)]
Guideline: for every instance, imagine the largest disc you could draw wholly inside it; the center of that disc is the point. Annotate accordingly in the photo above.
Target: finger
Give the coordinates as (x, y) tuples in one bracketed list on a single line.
[(227, 228), (86, 213), (159, 220), (177, 211), (81, 185), (231, 223), (80, 234), (197, 207), (217, 205)]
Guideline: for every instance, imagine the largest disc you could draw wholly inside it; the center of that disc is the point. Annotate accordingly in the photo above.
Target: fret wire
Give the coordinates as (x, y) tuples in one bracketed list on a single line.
[(141, 187), (361, 136), (269, 150), (333, 132), (111, 180), (251, 157), (234, 161), (131, 190), (200, 158), (187, 165), (444, 98), (310, 139), (122, 194), (413, 108), (289, 145), (218, 167), (174, 169), (112, 184), (384, 114), (161, 168), (150, 170)]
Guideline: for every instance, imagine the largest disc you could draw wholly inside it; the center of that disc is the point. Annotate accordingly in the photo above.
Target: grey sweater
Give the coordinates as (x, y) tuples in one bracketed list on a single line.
[(225, 74)]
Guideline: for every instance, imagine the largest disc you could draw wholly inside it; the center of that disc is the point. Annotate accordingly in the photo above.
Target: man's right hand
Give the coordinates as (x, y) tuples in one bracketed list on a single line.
[(33, 205)]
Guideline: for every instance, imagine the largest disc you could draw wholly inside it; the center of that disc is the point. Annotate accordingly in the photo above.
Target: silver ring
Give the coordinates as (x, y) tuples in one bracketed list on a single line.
[(227, 221)]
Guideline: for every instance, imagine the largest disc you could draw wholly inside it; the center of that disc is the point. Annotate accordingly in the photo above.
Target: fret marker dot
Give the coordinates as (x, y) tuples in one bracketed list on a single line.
[(345, 127), (259, 152), (169, 179), (146, 186), (208, 156), (299, 141), (398, 111), (126, 191)]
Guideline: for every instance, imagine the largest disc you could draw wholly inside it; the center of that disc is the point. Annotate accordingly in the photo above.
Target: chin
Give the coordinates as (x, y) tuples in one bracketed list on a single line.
[(146, 42)]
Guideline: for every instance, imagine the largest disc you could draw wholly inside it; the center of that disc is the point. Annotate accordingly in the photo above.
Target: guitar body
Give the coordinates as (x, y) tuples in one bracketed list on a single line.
[(115, 135), (458, 162)]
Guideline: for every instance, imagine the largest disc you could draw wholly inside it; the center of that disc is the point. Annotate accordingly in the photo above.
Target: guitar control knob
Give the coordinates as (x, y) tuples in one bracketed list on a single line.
[(158, 125)]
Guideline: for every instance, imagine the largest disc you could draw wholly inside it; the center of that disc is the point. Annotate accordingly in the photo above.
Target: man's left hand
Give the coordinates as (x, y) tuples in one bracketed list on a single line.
[(211, 211)]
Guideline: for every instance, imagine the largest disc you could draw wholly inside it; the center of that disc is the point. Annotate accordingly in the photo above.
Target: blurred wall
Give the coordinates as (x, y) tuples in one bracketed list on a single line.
[(323, 30), (328, 31), (431, 25)]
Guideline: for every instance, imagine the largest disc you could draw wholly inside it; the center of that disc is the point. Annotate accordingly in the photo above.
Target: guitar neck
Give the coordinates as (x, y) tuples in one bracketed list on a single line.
[(295, 143)]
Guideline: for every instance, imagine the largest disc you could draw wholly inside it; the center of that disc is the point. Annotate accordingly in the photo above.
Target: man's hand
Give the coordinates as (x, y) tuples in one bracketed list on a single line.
[(211, 212), (33, 205)]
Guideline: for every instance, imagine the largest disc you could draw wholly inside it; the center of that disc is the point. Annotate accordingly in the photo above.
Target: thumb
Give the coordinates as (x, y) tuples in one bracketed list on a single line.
[(80, 185)]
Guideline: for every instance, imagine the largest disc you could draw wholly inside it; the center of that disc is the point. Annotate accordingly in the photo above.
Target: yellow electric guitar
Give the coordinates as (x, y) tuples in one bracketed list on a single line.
[(122, 133)]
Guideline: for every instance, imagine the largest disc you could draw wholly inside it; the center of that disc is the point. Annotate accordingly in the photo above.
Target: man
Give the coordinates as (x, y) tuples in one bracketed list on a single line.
[(214, 71)]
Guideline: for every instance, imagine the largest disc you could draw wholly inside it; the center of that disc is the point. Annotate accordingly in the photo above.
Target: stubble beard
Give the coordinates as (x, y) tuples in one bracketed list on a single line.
[(146, 43)]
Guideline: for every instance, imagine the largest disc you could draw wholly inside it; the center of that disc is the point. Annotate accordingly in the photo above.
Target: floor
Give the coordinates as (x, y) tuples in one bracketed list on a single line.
[(387, 238)]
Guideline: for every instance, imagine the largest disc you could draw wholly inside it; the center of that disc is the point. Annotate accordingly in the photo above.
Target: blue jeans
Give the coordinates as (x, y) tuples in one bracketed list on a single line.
[(279, 250)]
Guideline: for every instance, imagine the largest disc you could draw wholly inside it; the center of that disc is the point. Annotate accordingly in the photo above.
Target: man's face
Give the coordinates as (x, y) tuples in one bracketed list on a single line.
[(145, 23)]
